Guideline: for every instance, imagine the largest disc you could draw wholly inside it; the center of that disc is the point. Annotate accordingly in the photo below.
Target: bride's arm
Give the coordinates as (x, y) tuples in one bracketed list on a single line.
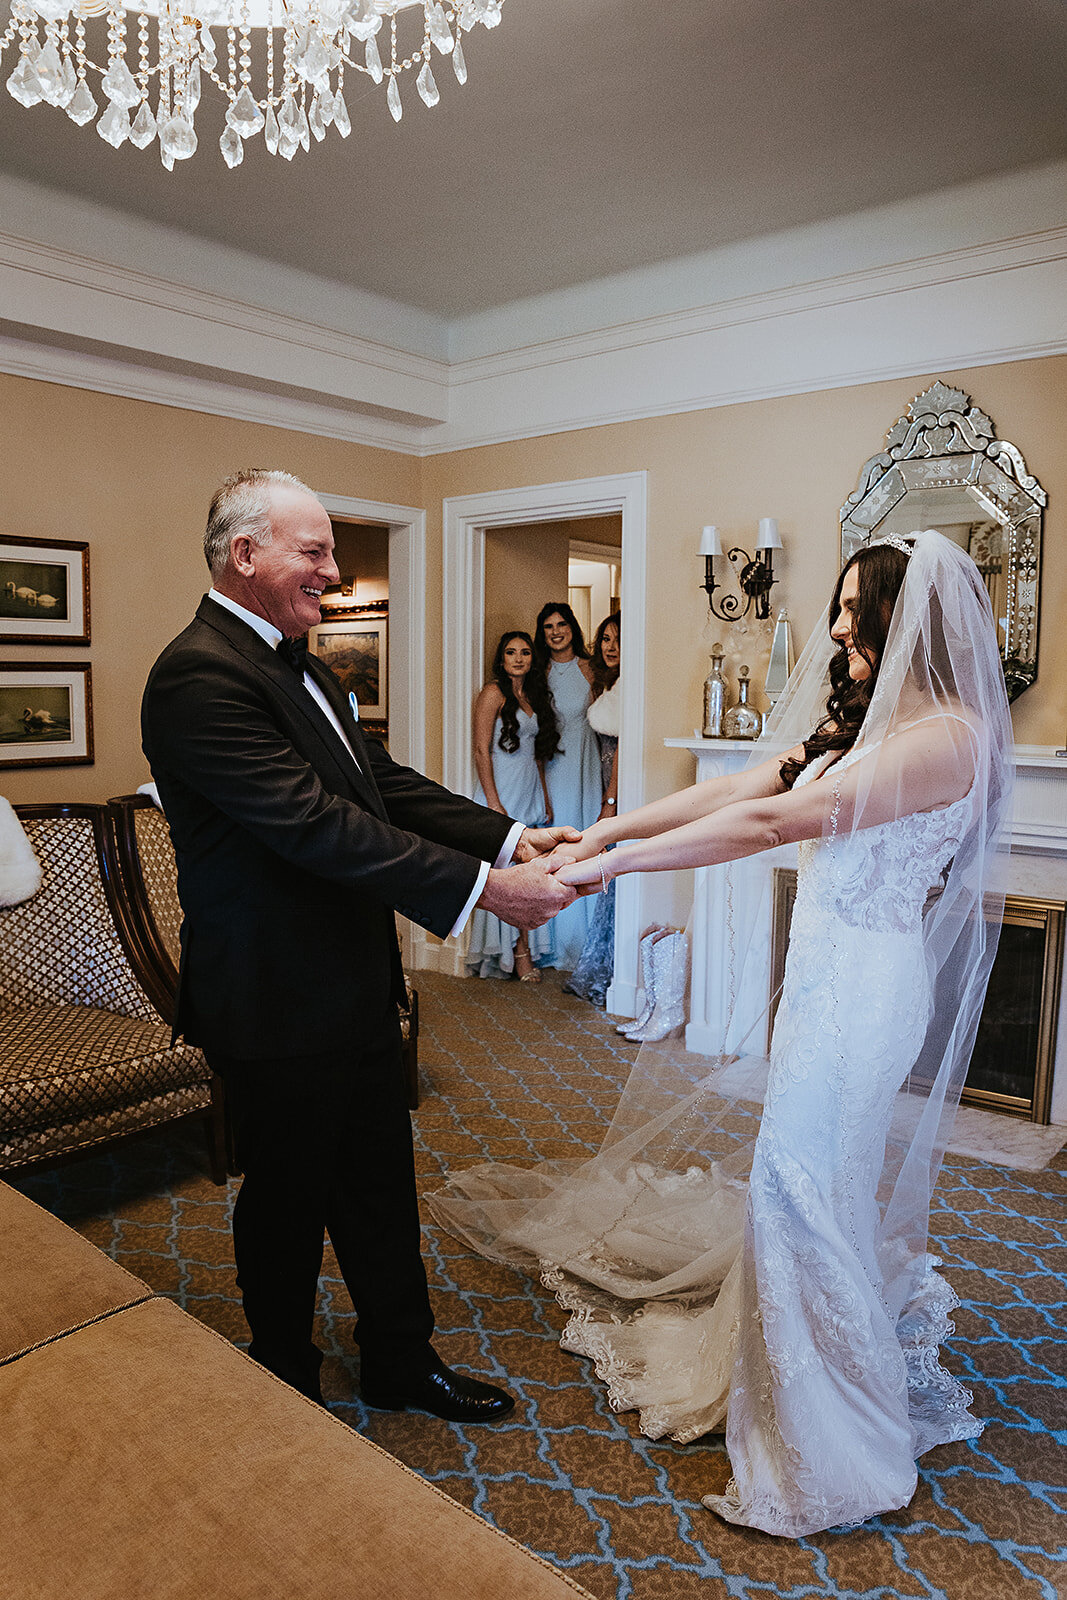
[(685, 807), (923, 768)]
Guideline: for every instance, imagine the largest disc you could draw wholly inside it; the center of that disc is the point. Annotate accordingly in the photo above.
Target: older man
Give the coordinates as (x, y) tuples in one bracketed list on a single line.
[(296, 840)]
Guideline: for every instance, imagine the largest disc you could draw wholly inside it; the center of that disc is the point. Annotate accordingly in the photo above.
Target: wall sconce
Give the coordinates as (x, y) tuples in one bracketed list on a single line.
[(755, 578)]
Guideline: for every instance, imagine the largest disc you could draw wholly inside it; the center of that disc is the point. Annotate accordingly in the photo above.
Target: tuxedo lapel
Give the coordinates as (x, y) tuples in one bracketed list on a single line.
[(342, 709), (284, 681)]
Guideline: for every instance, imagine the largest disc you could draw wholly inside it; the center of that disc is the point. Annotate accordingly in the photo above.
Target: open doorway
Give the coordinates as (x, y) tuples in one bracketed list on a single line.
[(353, 636), (469, 522), (527, 565)]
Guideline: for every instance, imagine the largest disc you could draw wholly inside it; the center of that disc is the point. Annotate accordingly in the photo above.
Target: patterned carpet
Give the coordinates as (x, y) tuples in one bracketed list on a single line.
[(514, 1072)]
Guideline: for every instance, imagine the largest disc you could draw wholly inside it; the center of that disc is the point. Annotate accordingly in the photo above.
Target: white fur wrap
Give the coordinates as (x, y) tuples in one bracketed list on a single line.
[(20, 871)]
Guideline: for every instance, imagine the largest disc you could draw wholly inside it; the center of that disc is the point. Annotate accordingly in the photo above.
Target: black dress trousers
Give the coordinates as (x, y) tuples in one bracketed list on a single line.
[(325, 1145)]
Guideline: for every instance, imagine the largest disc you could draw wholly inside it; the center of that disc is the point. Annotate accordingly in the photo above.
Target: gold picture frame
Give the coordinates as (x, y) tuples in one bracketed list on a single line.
[(44, 591), (356, 650)]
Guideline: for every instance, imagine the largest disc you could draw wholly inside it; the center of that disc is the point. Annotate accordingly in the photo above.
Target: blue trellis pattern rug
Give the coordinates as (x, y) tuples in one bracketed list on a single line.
[(519, 1072)]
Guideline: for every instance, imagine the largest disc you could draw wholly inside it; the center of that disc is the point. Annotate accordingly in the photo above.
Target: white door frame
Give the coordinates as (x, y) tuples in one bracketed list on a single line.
[(407, 619), (465, 521), (407, 638)]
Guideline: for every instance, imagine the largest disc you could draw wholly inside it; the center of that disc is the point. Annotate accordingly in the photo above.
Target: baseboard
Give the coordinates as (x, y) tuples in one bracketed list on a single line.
[(624, 999), (432, 955)]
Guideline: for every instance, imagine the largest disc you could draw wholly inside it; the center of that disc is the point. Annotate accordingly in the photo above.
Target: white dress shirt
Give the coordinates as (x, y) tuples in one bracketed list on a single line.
[(273, 637)]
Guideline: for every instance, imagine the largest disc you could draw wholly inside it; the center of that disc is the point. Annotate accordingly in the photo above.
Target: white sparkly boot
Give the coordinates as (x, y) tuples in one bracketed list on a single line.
[(670, 970), (647, 985)]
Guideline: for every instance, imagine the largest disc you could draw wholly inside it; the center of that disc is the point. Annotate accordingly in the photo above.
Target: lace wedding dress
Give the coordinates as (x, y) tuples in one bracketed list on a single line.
[(748, 1248), (769, 1308)]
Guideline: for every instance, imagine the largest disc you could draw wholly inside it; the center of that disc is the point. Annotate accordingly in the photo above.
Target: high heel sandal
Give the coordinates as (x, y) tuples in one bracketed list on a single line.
[(532, 975)]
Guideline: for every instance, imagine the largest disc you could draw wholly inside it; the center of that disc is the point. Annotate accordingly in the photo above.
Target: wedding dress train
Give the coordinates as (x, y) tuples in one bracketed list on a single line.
[(764, 1301)]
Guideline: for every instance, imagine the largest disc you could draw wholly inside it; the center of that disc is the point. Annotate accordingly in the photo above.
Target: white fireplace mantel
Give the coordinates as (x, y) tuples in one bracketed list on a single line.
[(1038, 867)]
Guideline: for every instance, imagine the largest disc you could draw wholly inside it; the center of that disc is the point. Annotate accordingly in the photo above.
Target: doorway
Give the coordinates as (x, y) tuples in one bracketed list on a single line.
[(467, 521)]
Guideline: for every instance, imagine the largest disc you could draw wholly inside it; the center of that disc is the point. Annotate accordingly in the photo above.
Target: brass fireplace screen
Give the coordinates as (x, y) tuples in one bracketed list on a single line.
[(1011, 1066)]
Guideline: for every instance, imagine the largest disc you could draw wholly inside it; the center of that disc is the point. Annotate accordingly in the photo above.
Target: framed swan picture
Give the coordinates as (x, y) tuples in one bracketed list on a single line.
[(46, 714), (44, 591)]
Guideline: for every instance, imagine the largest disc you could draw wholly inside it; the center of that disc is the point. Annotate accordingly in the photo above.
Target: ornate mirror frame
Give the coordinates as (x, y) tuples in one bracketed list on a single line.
[(942, 458)]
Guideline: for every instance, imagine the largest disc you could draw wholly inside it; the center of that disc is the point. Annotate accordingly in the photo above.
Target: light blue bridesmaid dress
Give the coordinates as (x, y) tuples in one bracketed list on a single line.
[(576, 791), (491, 951)]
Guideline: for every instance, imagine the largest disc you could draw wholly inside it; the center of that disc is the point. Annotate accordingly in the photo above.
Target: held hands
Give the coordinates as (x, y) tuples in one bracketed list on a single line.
[(526, 896), (535, 842), (586, 877)]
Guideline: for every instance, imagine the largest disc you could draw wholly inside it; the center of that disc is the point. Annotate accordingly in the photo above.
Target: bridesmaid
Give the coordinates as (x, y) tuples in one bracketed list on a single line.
[(515, 733), (575, 788), (592, 977)]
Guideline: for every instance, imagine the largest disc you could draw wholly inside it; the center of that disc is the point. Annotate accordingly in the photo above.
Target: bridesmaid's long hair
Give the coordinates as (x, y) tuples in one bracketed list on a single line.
[(605, 677), (880, 570), (535, 685), (542, 654)]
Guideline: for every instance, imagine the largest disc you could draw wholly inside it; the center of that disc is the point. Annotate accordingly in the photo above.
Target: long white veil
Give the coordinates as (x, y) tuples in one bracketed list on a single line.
[(642, 1242)]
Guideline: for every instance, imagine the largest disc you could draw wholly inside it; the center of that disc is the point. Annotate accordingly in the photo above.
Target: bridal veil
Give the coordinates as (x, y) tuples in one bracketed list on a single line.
[(642, 1243)]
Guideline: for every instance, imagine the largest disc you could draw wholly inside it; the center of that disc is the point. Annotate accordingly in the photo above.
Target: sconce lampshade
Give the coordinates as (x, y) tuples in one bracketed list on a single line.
[(769, 537), (710, 544)]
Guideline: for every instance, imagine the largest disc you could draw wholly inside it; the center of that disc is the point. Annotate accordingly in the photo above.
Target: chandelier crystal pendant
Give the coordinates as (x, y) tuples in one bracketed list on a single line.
[(306, 47)]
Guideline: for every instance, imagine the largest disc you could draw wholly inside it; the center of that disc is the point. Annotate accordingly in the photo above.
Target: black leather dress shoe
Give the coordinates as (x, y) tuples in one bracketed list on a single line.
[(441, 1391)]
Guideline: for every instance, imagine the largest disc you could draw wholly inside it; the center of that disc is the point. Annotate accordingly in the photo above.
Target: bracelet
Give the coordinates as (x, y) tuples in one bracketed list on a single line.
[(603, 879)]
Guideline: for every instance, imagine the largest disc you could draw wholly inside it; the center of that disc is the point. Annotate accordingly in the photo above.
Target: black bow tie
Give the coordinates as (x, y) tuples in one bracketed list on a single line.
[(294, 652)]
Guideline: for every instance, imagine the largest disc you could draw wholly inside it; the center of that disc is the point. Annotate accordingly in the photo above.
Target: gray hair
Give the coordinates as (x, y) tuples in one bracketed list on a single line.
[(239, 506)]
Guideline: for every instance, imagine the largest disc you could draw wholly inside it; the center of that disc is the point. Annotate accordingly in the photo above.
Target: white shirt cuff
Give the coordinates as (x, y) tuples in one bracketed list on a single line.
[(475, 896), (510, 845), (507, 850)]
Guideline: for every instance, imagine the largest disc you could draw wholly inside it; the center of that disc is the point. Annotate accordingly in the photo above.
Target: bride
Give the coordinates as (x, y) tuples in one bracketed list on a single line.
[(749, 1245)]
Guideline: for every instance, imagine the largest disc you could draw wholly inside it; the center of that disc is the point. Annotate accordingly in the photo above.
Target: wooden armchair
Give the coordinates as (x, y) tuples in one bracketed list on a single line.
[(85, 1052), (150, 882)]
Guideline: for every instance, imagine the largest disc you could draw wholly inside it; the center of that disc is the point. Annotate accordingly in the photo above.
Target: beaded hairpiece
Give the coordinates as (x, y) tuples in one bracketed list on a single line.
[(896, 540)]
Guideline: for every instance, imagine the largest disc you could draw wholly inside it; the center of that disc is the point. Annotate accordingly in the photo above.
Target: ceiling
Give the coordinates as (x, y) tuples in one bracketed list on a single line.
[(598, 135)]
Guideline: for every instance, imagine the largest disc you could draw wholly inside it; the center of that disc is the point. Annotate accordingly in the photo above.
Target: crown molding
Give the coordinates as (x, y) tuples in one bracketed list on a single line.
[(981, 305), (156, 320), (215, 310), (157, 386), (1005, 255), (746, 394)]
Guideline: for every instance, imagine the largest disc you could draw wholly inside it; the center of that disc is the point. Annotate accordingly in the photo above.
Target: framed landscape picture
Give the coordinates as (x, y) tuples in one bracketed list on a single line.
[(44, 591), (46, 714), (356, 652)]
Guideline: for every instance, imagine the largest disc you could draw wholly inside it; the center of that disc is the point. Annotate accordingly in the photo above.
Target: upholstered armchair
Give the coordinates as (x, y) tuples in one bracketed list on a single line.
[(85, 1051)]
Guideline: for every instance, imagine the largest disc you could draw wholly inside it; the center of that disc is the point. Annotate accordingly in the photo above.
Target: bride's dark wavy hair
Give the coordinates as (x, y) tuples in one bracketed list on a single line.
[(535, 684), (880, 570)]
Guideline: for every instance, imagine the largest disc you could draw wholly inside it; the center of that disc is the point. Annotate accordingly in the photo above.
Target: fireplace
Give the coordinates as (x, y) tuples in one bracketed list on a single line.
[(1012, 1062)]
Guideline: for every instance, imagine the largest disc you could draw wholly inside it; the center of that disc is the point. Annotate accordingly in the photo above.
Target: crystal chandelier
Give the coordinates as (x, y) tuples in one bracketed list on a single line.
[(306, 47)]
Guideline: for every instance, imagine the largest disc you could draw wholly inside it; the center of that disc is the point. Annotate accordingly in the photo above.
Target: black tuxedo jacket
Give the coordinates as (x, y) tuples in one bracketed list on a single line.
[(291, 860)]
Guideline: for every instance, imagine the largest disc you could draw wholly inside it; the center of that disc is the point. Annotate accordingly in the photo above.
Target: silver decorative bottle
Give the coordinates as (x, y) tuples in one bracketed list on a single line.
[(742, 721), (714, 696)]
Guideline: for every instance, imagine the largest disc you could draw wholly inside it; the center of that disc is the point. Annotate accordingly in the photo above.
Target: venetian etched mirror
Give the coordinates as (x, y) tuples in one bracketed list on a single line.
[(943, 467)]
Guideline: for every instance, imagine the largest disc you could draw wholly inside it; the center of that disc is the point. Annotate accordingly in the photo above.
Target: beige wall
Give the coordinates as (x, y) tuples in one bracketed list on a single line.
[(795, 458), (525, 568), (134, 480)]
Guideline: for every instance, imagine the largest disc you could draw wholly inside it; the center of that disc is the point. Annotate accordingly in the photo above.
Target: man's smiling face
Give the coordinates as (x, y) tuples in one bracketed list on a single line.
[(284, 580)]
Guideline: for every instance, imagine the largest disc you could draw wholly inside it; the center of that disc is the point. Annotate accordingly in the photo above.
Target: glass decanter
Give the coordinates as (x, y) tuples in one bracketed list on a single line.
[(742, 721), (714, 696)]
